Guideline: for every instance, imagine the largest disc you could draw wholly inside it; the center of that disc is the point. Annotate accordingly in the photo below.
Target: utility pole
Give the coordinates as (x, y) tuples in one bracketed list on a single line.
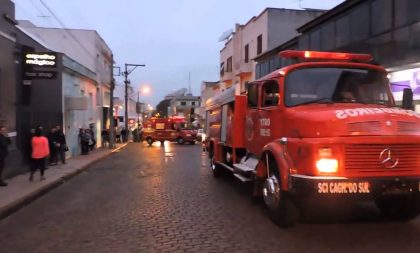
[(126, 82), (111, 105)]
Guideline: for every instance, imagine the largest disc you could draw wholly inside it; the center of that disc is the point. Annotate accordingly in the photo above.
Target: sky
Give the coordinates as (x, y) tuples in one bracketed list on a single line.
[(173, 38)]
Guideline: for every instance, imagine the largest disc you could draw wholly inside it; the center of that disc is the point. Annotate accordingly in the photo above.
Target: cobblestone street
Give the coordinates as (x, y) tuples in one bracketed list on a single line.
[(164, 199)]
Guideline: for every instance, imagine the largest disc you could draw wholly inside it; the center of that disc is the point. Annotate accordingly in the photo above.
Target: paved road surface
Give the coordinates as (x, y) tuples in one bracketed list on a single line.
[(164, 199)]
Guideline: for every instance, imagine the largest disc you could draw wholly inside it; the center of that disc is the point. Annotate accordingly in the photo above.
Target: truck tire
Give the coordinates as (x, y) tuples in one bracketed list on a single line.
[(149, 141), (192, 142), (180, 141), (281, 209), (216, 168), (400, 209)]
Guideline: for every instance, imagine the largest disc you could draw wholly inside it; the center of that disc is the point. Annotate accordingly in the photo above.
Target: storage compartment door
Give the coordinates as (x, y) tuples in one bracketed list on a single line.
[(224, 123)]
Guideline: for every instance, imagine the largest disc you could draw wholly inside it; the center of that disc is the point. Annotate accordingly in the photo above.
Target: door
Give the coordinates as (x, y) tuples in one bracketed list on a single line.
[(251, 121)]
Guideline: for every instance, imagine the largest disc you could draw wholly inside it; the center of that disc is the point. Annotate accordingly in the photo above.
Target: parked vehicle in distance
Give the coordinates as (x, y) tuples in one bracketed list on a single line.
[(169, 129)]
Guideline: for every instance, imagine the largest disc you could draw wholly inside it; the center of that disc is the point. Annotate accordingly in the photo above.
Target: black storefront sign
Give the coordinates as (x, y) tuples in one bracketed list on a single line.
[(39, 65), (39, 75)]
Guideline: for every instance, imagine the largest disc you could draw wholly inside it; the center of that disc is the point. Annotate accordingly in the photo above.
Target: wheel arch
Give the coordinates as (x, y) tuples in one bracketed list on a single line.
[(276, 156)]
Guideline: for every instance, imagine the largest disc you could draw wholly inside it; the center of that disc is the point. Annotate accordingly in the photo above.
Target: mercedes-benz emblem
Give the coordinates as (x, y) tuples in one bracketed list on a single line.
[(388, 158)]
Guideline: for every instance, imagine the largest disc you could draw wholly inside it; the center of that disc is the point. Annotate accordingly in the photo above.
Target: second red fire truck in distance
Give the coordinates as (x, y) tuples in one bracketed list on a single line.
[(174, 128), (323, 128)]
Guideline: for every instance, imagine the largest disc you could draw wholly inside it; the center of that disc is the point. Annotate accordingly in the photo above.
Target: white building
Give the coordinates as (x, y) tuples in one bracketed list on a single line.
[(87, 48), (264, 32)]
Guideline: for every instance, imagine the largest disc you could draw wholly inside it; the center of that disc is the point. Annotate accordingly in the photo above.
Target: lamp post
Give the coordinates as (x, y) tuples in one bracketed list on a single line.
[(145, 91)]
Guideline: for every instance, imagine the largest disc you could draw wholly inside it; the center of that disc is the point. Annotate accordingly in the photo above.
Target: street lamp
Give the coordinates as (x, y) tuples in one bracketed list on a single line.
[(145, 90)]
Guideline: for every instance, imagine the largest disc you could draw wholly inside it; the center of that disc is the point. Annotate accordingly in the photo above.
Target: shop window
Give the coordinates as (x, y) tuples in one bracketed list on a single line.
[(343, 31), (252, 95), (258, 70), (183, 103), (259, 44), (270, 92), (316, 40), (327, 36), (360, 23), (246, 53), (406, 12), (381, 19)]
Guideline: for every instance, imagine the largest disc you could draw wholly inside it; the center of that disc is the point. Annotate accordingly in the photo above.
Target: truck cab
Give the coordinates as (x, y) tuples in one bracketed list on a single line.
[(169, 129), (326, 126)]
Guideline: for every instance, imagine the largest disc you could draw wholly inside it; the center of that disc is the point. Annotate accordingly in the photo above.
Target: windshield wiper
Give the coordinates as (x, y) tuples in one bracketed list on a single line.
[(325, 100)]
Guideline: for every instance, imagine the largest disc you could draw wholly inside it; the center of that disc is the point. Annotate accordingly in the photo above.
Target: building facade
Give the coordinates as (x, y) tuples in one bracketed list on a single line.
[(387, 29), (260, 34), (87, 48), (9, 58)]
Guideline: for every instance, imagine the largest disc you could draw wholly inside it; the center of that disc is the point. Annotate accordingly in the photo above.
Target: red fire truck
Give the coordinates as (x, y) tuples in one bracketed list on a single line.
[(324, 127), (174, 128)]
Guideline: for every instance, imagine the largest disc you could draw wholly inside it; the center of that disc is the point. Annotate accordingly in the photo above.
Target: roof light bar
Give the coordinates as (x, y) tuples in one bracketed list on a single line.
[(325, 55)]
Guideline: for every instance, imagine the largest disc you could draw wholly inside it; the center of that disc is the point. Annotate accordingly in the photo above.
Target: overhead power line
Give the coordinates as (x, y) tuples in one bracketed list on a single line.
[(66, 29)]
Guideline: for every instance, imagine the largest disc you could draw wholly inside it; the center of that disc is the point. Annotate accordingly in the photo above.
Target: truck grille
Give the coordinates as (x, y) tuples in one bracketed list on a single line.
[(366, 157), (404, 126), (364, 127)]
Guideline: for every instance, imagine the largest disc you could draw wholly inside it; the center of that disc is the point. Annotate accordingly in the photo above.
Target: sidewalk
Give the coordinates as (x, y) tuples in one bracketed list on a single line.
[(20, 191)]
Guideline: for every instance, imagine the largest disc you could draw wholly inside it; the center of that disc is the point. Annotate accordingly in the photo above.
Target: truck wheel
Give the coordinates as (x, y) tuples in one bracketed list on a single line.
[(149, 141), (280, 207), (180, 141), (192, 142), (216, 169), (401, 209)]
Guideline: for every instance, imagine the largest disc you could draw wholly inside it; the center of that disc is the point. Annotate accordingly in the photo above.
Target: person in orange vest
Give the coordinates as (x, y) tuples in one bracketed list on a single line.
[(40, 151)]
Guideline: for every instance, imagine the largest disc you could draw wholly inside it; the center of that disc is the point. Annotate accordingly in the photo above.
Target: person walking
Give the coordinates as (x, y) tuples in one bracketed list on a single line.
[(124, 135), (40, 151), (4, 143), (92, 141), (52, 142), (105, 138), (61, 144), (118, 134)]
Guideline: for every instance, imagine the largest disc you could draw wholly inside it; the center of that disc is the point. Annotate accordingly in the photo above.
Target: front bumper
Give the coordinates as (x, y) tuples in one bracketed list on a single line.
[(355, 187)]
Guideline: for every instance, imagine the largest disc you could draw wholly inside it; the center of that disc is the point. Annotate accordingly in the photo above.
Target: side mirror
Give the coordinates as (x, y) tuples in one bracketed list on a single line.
[(407, 102)]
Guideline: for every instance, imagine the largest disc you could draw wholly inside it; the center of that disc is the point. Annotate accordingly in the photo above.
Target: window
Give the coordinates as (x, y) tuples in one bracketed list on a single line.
[(222, 69), (252, 95), (343, 31), (360, 23), (192, 103), (183, 103), (259, 44), (381, 19), (270, 92), (406, 12), (327, 36), (336, 85), (316, 40), (246, 53), (229, 64)]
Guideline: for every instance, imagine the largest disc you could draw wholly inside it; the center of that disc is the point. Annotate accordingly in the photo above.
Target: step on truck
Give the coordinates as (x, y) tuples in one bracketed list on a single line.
[(172, 129), (325, 127)]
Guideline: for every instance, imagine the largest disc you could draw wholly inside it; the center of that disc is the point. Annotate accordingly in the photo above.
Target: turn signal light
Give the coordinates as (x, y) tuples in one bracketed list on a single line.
[(327, 165)]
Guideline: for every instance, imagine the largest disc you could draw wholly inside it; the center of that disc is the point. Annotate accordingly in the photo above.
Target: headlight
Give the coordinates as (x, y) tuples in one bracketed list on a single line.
[(327, 165)]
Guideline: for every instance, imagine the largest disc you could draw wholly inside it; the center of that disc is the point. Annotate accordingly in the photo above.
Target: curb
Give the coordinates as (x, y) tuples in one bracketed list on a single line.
[(19, 203)]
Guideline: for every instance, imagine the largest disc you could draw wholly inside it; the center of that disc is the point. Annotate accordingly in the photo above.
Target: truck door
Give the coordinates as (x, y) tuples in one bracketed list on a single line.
[(251, 121), (269, 117)]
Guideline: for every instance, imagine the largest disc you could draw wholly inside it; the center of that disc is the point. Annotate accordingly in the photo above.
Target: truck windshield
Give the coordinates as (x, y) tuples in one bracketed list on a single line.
[(336, 85)]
